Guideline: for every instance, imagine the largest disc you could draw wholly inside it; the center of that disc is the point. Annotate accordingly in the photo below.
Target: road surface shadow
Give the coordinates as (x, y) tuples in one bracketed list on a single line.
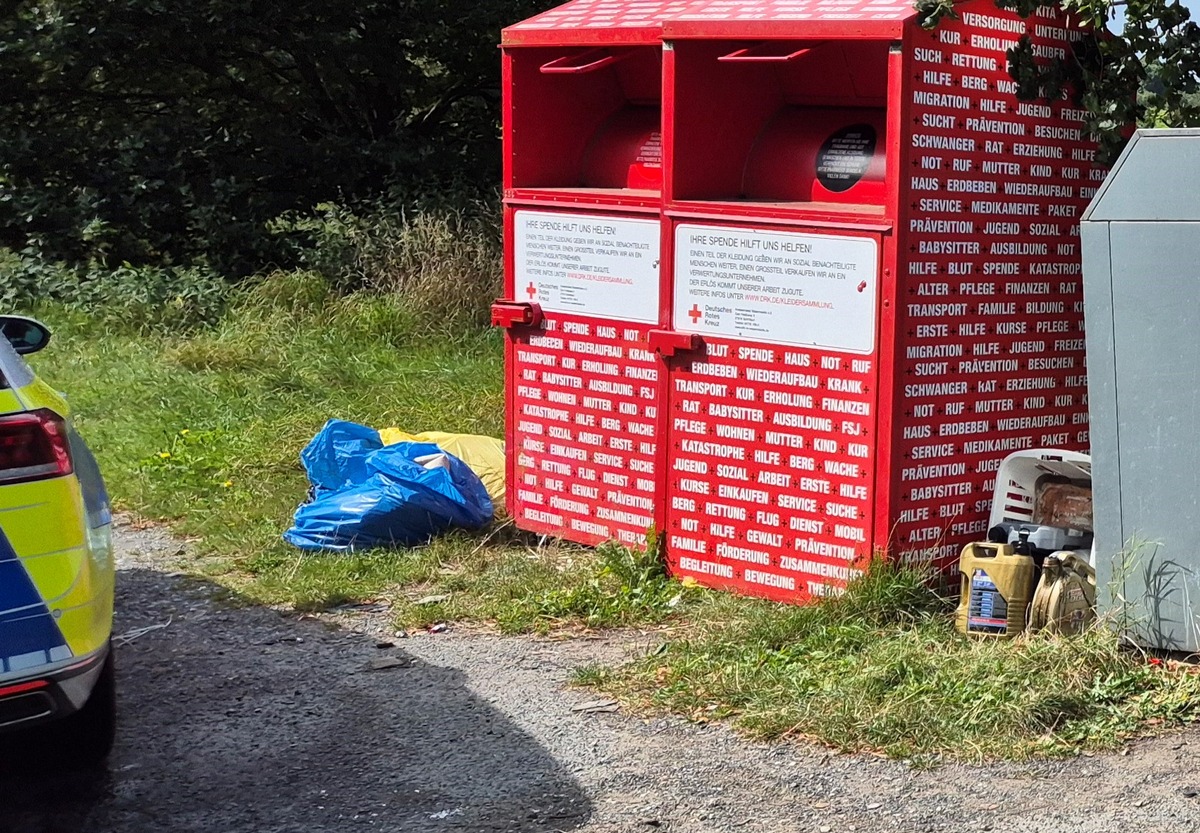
[(240, 719)]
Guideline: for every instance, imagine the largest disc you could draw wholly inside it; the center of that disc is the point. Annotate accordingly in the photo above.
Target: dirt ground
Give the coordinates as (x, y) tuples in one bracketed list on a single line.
[(243, 719)]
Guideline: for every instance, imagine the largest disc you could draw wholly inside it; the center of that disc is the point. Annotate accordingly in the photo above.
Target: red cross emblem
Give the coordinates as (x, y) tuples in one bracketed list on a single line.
[(695, 314), (531, 290)]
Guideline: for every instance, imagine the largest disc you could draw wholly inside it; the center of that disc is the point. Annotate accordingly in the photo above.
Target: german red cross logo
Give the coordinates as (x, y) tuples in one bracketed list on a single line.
[(531, 290), (695, 314)]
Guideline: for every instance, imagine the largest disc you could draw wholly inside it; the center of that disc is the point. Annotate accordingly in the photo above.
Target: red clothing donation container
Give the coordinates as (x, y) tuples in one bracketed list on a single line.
[(869, 289), (875, 245), (583, 287)]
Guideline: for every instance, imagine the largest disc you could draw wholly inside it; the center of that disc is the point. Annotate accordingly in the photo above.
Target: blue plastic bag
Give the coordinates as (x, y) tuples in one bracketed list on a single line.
[(337, 456), (369, 495)]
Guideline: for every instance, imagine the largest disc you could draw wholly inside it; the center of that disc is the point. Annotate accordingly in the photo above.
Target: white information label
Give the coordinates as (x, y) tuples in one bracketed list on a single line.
[(812, 290), (588, 264)]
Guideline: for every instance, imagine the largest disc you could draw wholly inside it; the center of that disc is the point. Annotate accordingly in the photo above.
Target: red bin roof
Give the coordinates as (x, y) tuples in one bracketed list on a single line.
[(648, 21), (598, 21), (790, 19)]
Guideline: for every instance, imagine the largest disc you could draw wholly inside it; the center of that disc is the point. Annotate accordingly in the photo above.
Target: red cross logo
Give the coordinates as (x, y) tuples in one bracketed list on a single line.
[(531, 289), (695, 314)]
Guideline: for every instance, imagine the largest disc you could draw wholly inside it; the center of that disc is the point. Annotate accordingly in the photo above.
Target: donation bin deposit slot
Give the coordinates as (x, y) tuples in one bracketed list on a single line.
[(586, 117), (791, 121)]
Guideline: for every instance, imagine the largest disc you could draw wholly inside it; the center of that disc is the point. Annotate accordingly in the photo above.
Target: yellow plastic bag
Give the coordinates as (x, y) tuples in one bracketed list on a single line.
[(485, 455)]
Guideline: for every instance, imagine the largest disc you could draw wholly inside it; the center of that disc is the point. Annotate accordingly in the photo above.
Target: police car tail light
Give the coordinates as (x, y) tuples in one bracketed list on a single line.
[(33, 446)]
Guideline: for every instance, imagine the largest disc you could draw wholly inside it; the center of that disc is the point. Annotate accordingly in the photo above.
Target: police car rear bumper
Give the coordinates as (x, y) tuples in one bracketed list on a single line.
[(46, 697)]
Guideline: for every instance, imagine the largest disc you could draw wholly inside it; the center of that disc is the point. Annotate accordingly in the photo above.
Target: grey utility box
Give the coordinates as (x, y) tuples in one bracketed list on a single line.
[(1141, 283)]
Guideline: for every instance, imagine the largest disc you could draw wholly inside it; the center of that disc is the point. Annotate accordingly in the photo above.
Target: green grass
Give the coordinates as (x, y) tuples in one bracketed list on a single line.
[(882, 669), (206, 429), (203, 428)]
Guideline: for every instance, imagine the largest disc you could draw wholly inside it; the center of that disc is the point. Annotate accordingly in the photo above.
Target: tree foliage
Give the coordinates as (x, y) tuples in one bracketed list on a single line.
[(162, 130), (1145, 74), (170, 131)]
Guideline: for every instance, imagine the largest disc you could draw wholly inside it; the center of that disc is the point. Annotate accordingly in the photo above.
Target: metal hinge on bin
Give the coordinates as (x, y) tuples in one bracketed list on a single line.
[(509, 314), (669, 342)]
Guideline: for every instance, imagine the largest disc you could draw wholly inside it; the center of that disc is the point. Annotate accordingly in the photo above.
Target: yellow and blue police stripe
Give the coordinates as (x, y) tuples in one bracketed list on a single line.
[(56, 569), (29, 636)]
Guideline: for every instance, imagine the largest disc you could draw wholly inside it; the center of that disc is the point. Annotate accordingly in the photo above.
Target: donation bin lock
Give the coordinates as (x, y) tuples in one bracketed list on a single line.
[(509, 314), (669, 342)]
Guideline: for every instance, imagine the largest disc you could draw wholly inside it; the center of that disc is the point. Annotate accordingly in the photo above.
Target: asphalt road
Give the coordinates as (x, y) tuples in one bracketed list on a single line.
[(236, 719), (243, 720)]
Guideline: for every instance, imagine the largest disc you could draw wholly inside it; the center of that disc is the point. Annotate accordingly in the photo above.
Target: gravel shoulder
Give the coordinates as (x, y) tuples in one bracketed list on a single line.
[(245, 719)]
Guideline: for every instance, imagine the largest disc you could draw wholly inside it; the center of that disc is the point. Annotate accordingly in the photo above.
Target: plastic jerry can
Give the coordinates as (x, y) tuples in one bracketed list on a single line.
[(997, 584)]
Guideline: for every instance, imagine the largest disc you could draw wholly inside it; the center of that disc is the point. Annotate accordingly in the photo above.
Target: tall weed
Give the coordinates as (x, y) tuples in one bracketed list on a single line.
[(443, 262), (439, 264)]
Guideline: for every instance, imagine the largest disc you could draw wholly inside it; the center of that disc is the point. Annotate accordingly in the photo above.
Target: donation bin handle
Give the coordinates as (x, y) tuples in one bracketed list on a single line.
[(669, 342), (587, 61), (748, 54), (509, 314)]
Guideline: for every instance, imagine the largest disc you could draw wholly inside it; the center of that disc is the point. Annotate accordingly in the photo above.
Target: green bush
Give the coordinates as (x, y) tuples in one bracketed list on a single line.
[(137, 298), (23, 279), (251, 110)]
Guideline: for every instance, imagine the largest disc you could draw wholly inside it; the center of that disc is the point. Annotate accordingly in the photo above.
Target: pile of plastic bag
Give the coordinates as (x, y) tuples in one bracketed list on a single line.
[(367, 494), (485, 455)]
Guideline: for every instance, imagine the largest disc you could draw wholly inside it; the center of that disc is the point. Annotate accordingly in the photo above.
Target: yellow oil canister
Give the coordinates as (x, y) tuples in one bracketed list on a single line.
[(997, 584), (1065, 598)]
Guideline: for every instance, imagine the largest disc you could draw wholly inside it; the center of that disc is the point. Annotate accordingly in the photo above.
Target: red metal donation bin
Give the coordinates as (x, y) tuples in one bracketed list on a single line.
[(875, 244), (583, 178)]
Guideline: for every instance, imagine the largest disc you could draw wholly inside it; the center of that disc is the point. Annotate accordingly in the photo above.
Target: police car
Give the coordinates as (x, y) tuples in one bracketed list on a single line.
[(56, 568)]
